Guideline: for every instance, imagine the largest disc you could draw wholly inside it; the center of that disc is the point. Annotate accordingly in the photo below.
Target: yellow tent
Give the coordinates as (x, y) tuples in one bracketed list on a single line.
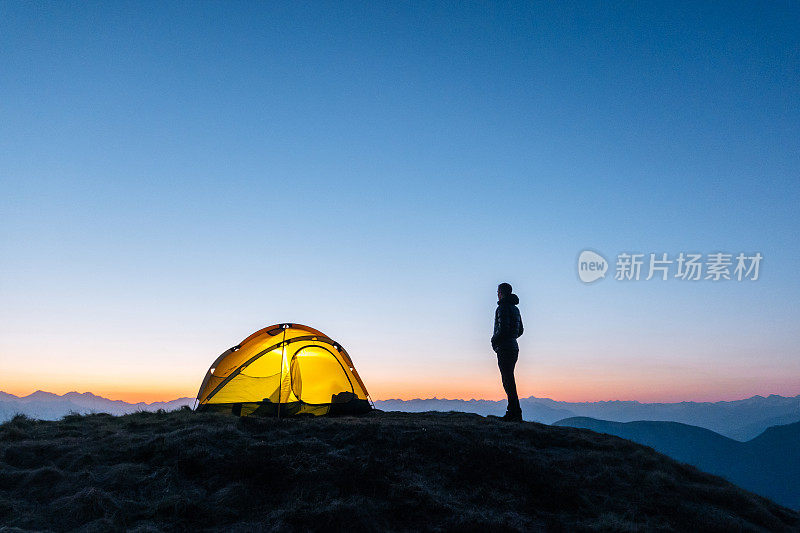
[(284, 370)]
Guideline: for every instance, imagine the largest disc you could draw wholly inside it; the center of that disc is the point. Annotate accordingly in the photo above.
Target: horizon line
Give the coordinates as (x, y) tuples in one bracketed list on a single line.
[(434, 398)]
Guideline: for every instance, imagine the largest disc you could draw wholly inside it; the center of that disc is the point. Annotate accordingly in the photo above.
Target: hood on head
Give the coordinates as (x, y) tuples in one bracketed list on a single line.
[(512, 299)]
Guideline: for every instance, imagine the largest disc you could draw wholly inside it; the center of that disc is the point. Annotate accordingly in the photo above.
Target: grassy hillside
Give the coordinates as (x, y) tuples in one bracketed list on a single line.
[(384, 471)]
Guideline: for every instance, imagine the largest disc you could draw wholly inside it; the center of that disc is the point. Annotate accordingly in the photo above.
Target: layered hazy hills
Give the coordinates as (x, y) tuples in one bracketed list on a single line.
[(188, 471), (768, 464), (740, 419), (48, 406)]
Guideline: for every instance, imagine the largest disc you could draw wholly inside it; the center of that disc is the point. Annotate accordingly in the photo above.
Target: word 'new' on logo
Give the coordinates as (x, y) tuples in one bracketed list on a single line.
[(591, 266)]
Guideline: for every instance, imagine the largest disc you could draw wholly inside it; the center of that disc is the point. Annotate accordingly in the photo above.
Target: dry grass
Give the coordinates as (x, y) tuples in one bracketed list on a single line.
[(385, 471)]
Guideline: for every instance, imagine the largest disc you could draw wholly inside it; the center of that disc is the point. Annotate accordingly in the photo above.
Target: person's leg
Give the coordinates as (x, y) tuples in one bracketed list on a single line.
[(507, 360)]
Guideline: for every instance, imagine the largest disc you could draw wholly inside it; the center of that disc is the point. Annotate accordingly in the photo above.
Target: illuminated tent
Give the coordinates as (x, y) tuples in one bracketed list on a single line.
[(284, 370)]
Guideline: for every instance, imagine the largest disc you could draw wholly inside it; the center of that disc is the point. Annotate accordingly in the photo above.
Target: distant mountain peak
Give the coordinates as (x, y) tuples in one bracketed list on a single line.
[(75, 394), (41, 395)]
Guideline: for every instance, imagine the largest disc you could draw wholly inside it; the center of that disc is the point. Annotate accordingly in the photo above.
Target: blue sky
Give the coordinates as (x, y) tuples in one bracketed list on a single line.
[(174, 177)]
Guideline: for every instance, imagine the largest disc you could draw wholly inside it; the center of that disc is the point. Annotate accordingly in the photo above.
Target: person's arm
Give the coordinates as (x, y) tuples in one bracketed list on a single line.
[(503, 324), (521, 328), (496, 332)]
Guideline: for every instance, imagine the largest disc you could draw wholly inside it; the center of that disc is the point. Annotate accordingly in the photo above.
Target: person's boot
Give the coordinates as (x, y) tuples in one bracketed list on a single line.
[(512, 416)]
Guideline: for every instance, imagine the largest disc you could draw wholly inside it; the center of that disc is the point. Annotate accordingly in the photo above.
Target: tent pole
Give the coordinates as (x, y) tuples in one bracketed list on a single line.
[(280, 376)]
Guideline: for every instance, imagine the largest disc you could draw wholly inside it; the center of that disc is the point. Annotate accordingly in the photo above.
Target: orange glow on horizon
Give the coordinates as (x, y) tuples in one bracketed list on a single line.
[(129, 396), (485, 389)]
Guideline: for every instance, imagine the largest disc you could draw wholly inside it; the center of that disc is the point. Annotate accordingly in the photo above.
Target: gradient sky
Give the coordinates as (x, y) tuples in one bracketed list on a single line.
[(175, 176)]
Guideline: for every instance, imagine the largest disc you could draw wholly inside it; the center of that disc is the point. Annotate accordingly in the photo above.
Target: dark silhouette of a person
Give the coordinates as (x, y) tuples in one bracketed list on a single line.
[(507, 327)]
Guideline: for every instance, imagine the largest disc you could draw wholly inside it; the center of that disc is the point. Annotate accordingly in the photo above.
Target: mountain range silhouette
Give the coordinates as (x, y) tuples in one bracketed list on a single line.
[(768, 464)]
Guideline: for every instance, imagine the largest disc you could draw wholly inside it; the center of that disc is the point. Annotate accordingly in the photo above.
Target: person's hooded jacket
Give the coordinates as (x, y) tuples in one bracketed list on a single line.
[(507, 324)]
